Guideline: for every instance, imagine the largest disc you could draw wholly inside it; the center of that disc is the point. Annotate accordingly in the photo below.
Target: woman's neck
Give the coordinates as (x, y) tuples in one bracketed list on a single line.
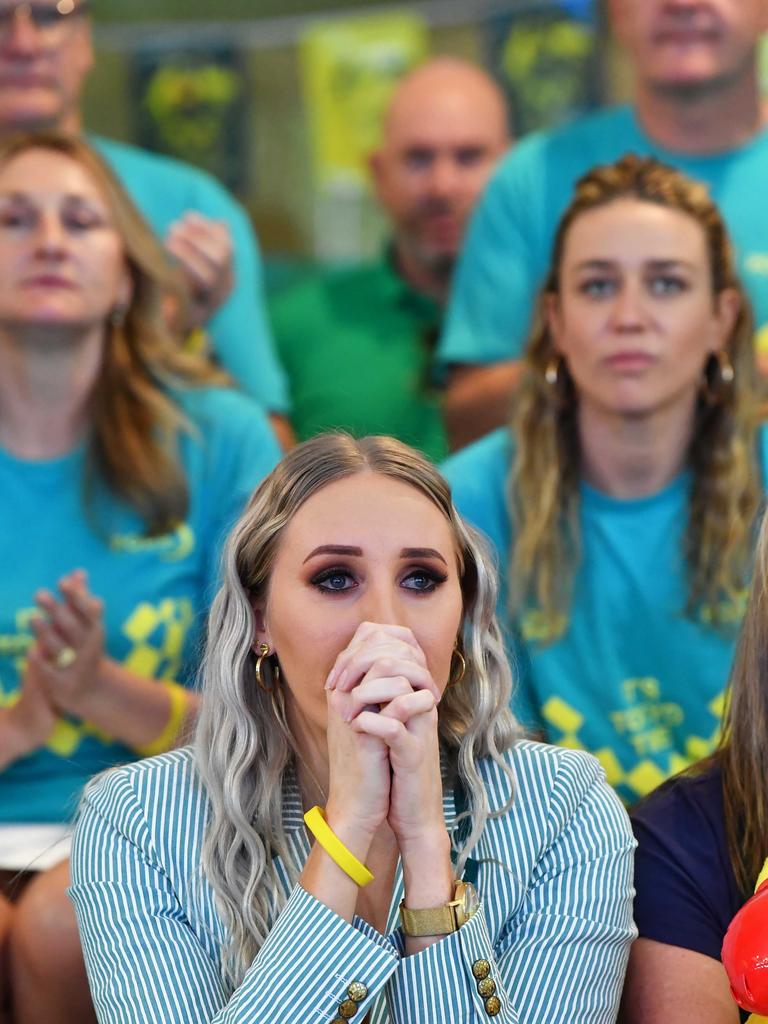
[(634, 456), (310, 757), (46, 381)]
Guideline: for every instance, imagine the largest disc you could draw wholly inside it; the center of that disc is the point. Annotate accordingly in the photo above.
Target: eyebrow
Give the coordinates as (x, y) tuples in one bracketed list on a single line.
[(656, 264), (422, 553), (335, 549), (68, 197), (346, 549)]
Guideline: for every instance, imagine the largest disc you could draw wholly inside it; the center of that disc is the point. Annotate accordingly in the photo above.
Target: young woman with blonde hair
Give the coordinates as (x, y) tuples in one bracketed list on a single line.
[(621, 501), (122, 464), (355, 754)]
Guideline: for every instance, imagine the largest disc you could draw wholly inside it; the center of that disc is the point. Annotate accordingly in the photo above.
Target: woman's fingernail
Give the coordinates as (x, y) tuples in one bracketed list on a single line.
[(342, 679)]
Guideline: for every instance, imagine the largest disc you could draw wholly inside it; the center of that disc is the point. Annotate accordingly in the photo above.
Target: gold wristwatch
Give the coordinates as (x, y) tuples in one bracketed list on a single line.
[(441, 920)]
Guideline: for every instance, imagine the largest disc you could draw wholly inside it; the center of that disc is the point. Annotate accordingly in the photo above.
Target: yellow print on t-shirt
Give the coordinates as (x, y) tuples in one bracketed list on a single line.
[(171, 547), (14, 646), (647, 724), (157, 634)]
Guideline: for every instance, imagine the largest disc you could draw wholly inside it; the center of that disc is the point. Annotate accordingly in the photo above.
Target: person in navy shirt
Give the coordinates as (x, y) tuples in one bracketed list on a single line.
[(702, 842)]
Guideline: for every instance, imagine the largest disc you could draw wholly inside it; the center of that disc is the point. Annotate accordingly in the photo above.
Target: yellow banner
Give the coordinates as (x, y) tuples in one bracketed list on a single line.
[(349, 69)]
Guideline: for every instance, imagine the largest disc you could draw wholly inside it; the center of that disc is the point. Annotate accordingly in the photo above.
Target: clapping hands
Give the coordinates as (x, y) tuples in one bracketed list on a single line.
[(62, 663), (69, 643)]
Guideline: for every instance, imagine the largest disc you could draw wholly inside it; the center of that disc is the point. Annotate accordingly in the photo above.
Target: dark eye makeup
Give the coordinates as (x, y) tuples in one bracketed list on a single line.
[(339, 579), (423, 580), (334, 579)]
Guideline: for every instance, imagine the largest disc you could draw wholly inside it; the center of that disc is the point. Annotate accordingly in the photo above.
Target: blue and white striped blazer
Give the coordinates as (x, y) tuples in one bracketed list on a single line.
[(555, 922)]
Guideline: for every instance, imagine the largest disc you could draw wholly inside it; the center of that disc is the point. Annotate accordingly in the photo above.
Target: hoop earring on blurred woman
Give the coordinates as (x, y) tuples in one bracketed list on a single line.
[(718, 378), (552, 371)]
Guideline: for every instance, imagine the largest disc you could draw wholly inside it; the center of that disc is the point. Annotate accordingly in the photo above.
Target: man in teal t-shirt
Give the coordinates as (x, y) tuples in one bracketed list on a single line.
[(45, 57), (358, 343), (697, 106)]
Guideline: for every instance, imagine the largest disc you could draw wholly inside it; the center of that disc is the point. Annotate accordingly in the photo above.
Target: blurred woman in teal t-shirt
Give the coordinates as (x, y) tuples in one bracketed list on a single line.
[(123, 463), (621, 502)]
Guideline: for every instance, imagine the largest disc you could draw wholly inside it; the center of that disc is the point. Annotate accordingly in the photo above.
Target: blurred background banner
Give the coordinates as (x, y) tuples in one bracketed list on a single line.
[(545, 55), (349, 68), (191, 105), (282, 99)]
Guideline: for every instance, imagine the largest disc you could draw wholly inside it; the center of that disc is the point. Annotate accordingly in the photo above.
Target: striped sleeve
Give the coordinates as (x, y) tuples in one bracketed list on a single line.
[(564, 958), (147, 965), (561, 959)]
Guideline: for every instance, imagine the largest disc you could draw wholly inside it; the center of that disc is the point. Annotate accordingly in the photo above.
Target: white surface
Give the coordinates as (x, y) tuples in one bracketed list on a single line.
[(33, 847)]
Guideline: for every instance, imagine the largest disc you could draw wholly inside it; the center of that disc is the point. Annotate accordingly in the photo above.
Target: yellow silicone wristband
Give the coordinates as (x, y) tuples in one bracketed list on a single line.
[(336, 850), (178, 709)]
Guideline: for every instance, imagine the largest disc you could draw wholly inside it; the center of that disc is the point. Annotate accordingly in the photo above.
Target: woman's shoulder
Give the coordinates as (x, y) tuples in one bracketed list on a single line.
[(682, 826), (478, 479), (147, 780), (491, 455), (686, 889), (158, 804), (212, 405), (551, 789), (229, 430), (683, 799)]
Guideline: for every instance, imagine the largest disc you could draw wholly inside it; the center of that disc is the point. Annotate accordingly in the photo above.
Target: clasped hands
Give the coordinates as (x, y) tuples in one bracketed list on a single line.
[(62, 664), (384, 756)]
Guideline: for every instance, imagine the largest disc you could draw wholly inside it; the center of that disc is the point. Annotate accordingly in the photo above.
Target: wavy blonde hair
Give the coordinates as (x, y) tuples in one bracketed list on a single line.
[(243, 744), (543, 488), (134, 421), (743, 751)]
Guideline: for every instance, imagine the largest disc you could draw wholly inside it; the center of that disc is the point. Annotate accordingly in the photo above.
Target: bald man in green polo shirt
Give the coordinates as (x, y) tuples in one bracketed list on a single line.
[(357, 344)]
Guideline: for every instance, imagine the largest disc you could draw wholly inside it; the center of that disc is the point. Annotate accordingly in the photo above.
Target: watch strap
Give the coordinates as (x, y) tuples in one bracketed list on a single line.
[(432, 921)]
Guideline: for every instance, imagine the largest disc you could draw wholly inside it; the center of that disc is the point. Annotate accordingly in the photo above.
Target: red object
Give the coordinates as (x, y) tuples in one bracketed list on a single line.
[(745, 953)]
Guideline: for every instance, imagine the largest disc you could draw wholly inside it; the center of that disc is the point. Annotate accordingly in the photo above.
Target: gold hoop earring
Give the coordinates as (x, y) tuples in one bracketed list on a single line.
[(264, 653), (454, 680)]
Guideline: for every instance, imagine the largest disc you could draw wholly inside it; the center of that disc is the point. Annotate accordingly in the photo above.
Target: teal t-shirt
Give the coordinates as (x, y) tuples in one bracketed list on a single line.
[(508, 246), (632, 679), (164, 190), (357, 344), (156, 591)]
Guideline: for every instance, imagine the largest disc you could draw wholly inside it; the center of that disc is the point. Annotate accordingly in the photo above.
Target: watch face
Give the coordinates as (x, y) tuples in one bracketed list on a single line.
[(469, 901)]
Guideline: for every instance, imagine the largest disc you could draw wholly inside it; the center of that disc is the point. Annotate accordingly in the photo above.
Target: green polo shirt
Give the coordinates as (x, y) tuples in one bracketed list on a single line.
[(357, 345)]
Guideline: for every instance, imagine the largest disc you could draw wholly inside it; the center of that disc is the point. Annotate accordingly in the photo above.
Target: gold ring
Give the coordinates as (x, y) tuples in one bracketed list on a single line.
[(66, 657)]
